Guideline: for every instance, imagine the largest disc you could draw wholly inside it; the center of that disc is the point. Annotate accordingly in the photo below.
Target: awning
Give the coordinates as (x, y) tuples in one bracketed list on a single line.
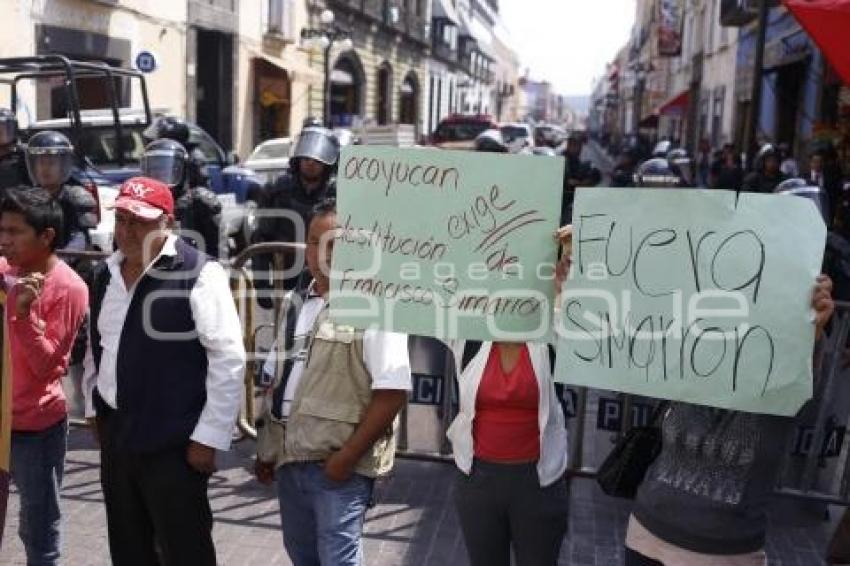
[(297, 71), (445, 9), (675, 105), (827, 22)]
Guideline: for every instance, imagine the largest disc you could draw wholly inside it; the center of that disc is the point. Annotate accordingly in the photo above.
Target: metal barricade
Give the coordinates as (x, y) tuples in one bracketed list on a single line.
[(812, 445), (244, 294)]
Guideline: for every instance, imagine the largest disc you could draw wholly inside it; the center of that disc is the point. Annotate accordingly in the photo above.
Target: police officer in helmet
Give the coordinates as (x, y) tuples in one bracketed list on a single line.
[(13, 168), (658, 173), (176, 129), (196, 208), (767, 172), (309, 180), (50, 158)]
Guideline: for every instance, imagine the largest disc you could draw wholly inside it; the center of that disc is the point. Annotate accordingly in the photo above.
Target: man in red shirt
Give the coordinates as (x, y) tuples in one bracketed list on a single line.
[(44, 308)]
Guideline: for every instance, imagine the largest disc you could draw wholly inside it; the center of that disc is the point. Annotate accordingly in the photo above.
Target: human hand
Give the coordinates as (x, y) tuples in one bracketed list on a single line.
[(29, 288), (201, 458)]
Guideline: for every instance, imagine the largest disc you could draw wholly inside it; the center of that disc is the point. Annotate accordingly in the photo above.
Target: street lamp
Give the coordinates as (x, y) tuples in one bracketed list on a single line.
[(325, 38)]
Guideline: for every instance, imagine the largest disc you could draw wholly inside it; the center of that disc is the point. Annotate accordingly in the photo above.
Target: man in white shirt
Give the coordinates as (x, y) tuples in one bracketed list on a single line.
[(328, 427), (163, 377)]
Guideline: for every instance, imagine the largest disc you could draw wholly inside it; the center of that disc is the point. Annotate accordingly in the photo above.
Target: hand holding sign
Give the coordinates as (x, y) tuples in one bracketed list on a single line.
[(694, 296)]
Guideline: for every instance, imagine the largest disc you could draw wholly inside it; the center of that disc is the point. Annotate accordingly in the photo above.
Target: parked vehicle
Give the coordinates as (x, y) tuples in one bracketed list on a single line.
[(460, 131), (107, 141), (549, 135), (269, 160), (518, 136)]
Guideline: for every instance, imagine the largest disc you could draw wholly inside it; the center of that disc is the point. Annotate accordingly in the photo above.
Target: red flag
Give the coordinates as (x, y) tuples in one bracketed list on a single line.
[(827, 22)]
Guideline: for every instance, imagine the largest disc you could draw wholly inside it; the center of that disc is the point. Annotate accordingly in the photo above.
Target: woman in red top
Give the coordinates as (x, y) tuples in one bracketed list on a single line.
[(509, 442)]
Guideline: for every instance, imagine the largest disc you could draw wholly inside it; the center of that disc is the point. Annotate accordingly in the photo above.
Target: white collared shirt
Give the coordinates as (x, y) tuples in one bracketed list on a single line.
[(219, 332), (385, 355)]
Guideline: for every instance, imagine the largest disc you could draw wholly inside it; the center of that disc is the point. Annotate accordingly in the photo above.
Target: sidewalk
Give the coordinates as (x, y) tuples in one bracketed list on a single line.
[(413, 524)]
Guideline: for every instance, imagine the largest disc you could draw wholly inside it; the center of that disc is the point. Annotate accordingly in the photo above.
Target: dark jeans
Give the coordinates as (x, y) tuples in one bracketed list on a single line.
[(157, 509), (37, 465), (503, 506), (322, 520), (634, 558)]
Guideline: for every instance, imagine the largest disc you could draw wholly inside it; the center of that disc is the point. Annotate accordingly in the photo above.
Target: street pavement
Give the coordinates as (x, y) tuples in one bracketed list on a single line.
[(414, 522)]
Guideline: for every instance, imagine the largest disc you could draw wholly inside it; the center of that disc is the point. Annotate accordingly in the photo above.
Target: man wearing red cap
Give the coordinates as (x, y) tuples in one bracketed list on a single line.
[(164, 380)]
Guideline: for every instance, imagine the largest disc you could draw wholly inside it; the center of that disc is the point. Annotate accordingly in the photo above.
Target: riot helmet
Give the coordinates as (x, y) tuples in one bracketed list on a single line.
[(166, 161), (50, 157), (802, 188), (8, 127), (168, 127), (662, 148), (767, 151), (657, 173), (311, 122), (318, 144)]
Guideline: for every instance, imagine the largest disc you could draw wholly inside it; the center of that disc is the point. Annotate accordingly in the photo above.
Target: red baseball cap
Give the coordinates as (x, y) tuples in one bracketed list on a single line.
[(145, 198)]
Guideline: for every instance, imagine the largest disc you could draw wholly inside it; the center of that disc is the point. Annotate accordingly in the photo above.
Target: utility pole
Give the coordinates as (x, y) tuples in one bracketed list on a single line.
[(755, 100)]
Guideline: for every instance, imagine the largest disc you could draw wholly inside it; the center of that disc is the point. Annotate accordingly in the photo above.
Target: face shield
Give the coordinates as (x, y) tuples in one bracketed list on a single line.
[(164, 166), (49, 167), (317, 144), (800, 188)]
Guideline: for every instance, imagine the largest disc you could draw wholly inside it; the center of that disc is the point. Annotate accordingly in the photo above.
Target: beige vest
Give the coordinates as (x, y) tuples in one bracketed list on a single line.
[(331, 398)]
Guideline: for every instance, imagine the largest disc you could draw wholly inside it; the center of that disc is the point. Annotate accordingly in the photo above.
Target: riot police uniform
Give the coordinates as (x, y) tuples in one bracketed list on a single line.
[(49, 159), (290, 192), (196, 208), (13, 168), (761, 180)]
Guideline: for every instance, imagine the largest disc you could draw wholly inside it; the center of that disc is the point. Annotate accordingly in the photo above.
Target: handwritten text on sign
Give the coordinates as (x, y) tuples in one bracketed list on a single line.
[(690, 295), (446, 244)]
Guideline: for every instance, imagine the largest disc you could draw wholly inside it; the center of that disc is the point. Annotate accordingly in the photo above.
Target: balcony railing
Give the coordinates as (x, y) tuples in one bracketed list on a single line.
[(381, 11)]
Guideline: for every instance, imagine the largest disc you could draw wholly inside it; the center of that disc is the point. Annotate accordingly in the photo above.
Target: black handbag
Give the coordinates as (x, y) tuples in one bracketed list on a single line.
[(623, 469)]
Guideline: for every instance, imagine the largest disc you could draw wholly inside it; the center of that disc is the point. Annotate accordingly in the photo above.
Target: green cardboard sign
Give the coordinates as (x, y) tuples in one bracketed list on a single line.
[(692, 295), (447, 244)]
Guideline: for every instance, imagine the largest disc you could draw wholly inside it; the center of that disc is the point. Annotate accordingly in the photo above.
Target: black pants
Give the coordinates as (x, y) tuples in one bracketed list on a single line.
[(503, 506), (157, 509), (634, 558)]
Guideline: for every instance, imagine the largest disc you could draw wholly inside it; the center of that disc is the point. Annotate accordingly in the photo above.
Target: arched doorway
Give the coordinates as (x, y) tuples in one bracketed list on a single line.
[(346, 96), (384, 111), (408, 100), (273, 102)]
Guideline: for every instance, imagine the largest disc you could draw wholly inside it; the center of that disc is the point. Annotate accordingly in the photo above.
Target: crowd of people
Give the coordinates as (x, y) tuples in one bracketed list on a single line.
[(773, 168), (164, 369)]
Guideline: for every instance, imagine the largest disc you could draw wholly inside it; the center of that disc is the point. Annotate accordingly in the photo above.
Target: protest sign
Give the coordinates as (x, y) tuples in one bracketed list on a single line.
[(445, 243), (692, 295)]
